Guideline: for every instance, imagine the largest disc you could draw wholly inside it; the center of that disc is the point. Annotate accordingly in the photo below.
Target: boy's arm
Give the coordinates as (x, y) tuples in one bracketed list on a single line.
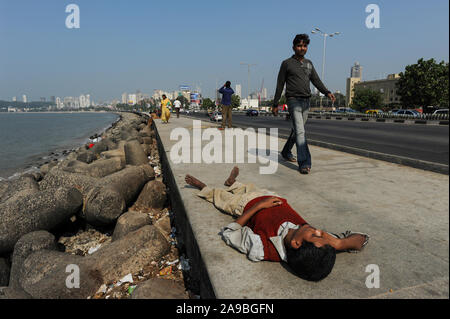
[(265, 203)]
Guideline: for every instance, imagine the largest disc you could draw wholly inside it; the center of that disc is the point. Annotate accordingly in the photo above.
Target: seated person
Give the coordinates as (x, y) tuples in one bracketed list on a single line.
[(267, 228)]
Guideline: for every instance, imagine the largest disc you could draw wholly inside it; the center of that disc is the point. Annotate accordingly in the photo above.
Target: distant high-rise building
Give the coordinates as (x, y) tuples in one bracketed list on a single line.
[(52, 99), (124, 98), (356, 71), (82, 100), (42, 99), (24, 98), (59, 104), (14, 99), (264, 94), (239, 90)]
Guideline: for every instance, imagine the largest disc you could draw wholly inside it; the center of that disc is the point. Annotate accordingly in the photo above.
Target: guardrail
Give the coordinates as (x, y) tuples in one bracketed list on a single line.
[(397, 118)]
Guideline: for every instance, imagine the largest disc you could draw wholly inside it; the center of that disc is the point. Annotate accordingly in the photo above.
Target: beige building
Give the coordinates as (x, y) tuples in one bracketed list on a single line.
[(350, 93), (385, 86)]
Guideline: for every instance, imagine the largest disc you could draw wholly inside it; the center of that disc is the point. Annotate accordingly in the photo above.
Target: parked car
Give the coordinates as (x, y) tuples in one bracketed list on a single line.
[(216, 116), (441, 112), (252, 112), (375, 111), (412, 113)]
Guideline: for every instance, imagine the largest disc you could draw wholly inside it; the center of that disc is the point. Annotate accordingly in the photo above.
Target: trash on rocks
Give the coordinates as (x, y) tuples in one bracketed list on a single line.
[(172, 262), (157, 170), (184, 264), (131, 289), (94, 249), (127, 278), (166, 271), (102, 289)]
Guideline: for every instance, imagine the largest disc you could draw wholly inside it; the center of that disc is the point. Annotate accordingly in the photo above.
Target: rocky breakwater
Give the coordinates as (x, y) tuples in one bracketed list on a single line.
[(95, 225)]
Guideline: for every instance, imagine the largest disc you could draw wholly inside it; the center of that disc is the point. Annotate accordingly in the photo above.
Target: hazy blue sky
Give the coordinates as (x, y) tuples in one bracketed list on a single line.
[(127, 45)]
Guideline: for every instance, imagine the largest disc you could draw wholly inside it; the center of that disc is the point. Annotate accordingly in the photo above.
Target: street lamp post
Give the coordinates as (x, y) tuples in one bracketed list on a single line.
[(325, 35), (248, 80)]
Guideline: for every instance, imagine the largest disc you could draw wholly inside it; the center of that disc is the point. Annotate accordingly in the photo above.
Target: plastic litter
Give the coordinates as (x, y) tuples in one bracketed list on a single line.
[(184, 264), (172, 262), (166, 271), (127, 278), (131, 289), (102, 289), (93, 249)]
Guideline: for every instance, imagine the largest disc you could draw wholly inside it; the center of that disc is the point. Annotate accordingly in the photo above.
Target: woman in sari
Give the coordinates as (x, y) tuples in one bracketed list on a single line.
[(165, 111)]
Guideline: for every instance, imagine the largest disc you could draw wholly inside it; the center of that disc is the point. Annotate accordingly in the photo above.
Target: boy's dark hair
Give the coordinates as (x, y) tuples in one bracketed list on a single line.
[(301, 37), (227, 84), (310, 262), (164, 96)]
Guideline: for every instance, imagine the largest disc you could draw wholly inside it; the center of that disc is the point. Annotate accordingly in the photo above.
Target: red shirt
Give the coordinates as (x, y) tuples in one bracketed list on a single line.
[(267, 221)]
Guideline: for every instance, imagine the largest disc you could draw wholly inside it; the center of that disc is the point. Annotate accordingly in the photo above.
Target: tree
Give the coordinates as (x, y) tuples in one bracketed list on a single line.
[(366, 98), (235, 101), (424, 83), (184, 101), (208, 103)]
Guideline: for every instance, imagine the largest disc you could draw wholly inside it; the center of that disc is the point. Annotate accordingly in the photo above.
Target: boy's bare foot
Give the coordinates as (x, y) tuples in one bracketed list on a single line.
[(232, 178), (191, 180)]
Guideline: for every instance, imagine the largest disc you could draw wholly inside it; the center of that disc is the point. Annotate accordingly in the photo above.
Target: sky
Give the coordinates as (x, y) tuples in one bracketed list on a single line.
[(122, 46)]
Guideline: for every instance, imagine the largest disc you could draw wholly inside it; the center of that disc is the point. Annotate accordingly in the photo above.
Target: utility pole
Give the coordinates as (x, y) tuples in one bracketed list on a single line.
[(325, 35)]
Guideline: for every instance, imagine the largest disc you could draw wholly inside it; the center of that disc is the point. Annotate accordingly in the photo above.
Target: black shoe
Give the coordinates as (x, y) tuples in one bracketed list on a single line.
[(305, 170)]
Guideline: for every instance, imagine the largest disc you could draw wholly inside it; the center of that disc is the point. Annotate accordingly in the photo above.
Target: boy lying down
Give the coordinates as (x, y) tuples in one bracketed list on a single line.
[(267, 228)]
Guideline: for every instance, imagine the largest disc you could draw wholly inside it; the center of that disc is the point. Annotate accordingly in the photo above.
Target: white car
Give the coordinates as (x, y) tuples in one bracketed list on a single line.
[(216, 116)]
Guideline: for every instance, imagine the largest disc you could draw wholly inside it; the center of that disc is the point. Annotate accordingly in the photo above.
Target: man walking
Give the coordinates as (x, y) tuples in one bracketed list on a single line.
[(177, 106), (226, 92), (297, 72)]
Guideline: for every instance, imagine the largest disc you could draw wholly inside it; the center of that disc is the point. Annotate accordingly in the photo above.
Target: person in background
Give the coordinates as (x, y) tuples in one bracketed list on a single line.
[(226, 92), (165, 111), (177, 106)]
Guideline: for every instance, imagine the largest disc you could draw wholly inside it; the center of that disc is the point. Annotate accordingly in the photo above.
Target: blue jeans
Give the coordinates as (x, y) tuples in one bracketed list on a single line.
[(298, 110)]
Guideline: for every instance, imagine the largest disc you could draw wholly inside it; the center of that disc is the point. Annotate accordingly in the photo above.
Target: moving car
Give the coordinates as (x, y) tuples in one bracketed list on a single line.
[(252, 112), (216, 116)]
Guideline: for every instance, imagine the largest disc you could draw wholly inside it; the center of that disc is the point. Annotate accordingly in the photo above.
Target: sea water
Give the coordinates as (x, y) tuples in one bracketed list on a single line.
[(28, 139)]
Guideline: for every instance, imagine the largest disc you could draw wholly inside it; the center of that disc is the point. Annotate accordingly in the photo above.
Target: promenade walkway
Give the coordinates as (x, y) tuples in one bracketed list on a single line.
[(405, 211)]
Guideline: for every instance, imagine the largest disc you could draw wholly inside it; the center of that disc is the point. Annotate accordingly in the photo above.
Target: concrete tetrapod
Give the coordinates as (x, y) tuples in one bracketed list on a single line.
[(43, 210), (107, 200), (134, 154), (24, 185)]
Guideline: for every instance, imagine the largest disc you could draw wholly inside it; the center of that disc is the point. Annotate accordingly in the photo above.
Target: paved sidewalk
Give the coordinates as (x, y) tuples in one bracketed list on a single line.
[(405, 211)]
